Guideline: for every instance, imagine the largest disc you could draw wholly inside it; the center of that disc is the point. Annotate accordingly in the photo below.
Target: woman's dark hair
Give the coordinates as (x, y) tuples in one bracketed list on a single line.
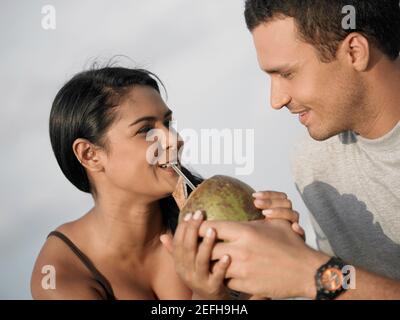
[(84, 108), (319, 22)]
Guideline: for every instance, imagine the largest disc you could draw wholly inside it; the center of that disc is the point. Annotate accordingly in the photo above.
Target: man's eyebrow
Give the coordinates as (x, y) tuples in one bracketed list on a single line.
[(150, 118), (279, 69)]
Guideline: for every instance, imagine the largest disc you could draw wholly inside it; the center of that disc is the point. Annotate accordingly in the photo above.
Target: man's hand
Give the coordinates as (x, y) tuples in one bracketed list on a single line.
[(267, 258), (276, 205)]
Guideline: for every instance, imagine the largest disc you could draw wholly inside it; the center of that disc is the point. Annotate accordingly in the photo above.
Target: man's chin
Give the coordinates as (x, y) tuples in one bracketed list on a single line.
[(320, 135)]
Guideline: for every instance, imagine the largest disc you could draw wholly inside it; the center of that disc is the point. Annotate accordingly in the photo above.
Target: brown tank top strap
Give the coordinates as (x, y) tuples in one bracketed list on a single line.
[(89, 264)]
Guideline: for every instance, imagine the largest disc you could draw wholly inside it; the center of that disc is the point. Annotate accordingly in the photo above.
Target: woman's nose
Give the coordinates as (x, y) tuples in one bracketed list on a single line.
[(171, 139)]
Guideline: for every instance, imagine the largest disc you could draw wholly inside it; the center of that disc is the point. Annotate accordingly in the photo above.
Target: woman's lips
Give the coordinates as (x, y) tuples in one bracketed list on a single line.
[(169, 170)]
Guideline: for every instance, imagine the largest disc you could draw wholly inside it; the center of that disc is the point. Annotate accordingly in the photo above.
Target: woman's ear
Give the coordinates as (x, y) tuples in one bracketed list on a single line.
[(88, 154), (357, 51)]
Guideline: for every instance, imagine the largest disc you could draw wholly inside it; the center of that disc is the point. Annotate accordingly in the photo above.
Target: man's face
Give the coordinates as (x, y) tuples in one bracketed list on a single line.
[(325, 95)]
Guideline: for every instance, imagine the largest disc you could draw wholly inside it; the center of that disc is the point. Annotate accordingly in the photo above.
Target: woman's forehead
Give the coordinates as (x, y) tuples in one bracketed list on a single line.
[(142, 101)]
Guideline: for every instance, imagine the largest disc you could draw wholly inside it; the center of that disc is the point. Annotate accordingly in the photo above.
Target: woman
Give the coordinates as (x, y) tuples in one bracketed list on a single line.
[(98, 127)]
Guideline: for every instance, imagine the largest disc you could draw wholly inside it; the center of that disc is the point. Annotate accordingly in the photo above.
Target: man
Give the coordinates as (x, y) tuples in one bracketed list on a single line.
[(344, 85)]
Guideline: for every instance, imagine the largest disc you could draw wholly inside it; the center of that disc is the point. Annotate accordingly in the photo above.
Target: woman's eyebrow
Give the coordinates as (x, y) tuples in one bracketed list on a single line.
[(150, 118)]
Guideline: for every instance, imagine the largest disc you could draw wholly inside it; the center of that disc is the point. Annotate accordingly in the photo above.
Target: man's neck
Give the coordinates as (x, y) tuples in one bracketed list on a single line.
[(383, 101)]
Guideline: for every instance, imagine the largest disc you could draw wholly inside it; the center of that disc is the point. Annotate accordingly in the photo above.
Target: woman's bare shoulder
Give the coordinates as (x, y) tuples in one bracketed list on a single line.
[(59, 274)]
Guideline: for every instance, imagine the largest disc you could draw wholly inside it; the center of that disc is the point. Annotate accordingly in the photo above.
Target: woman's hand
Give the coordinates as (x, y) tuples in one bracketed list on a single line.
[(276, 205), (193, 259)]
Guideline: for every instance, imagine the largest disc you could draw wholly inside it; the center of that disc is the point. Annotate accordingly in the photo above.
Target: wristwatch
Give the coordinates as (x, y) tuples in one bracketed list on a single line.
[(329, 279)]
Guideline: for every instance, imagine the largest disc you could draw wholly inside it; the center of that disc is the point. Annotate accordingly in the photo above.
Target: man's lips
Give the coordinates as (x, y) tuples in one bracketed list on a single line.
[(300, 112), (303, 115)]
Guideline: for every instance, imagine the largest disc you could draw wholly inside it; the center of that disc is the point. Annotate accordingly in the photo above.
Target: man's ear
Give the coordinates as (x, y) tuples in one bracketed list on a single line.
[(89, 155), (357, 51)]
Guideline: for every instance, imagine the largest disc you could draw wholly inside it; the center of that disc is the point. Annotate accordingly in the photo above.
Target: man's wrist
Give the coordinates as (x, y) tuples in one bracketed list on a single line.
[(315, 260)]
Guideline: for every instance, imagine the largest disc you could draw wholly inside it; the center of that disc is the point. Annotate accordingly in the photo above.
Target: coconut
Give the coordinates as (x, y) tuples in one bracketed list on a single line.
[(222, 198)]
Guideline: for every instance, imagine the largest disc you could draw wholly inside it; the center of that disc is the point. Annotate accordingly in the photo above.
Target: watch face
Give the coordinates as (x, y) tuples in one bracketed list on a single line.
[(332, 279)]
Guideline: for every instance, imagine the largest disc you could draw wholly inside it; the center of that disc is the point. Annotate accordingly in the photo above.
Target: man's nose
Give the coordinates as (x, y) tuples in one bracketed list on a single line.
[(279, 97)]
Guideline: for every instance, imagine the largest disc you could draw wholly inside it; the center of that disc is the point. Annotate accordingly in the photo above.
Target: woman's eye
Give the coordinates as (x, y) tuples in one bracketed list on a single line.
[(166, 123), (145, 129)]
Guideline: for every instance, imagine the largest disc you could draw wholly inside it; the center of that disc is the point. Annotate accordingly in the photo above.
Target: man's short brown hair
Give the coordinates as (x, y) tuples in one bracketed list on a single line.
[(319, 22)]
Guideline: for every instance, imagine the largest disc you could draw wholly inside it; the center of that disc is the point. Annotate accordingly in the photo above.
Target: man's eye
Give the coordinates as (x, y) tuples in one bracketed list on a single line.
[(286, 75), (145, 129)]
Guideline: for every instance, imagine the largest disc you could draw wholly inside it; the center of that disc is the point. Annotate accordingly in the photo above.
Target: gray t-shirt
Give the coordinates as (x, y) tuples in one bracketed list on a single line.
[(351, 186)]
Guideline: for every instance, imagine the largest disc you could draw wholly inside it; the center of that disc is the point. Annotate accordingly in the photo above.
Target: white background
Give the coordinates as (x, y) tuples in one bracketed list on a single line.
[(200, 49)]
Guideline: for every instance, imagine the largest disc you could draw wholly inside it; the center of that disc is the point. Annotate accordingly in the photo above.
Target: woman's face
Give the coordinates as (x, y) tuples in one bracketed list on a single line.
[(127, 162)]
